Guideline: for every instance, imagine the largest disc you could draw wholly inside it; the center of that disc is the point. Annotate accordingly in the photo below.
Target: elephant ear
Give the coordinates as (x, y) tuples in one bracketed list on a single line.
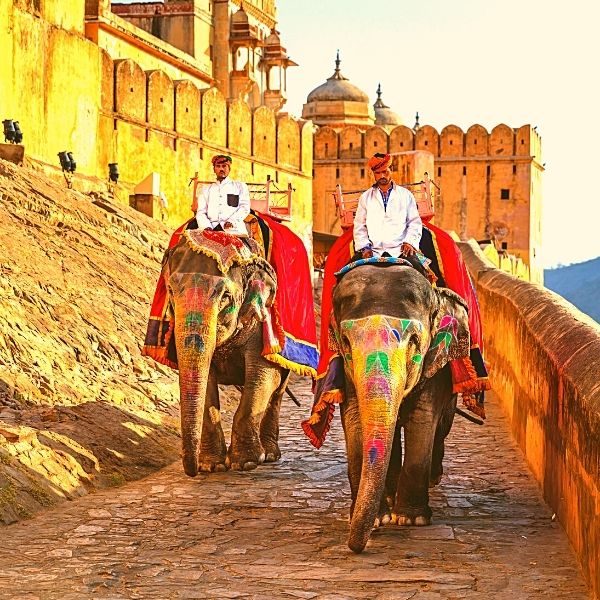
[(450, 337), (259, 294)]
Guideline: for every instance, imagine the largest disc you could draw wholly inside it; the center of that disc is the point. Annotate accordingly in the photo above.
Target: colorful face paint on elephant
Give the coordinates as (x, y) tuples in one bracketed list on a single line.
[(383, 357), (197, 300)]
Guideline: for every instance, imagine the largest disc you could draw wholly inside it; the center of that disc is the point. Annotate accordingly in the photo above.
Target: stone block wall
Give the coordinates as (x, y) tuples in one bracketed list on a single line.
[(490, 182), (68, 94), (543, 357)]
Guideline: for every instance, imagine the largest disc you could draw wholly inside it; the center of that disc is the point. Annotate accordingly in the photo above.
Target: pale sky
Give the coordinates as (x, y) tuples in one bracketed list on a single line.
[(464, 62)]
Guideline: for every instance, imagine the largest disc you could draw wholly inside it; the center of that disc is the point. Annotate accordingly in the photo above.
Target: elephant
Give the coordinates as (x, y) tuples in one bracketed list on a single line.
[(396, 334), (216, 328)]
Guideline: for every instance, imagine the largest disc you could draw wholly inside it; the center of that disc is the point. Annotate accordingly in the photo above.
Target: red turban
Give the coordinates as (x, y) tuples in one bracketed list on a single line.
[(379, 162), (219, 159)]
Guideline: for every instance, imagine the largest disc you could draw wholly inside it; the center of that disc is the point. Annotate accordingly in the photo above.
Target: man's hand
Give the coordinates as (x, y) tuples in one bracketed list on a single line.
[(407, 249), (367, 253), (228, 225)]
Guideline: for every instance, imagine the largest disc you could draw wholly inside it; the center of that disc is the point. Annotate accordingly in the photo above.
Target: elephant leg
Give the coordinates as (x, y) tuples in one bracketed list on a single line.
[(269, 426), (411, 506), (213, 449), (443, 429), (354, 444), (246, 451)]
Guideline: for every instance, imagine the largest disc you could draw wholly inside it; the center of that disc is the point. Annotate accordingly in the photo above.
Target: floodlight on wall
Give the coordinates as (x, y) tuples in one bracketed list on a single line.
[(9, 130), (65, 162), (113, 172), (18, 133), (68, 165)]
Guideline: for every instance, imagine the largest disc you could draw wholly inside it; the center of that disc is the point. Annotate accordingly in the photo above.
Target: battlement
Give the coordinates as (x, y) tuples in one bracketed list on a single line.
[(353, 142)]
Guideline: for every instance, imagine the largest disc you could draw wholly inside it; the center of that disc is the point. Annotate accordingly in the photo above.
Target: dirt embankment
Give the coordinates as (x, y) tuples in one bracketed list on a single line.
[(79, 407)]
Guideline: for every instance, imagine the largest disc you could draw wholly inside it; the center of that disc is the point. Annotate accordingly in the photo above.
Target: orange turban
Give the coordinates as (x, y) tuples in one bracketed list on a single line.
[(219, 159), (379, 162)]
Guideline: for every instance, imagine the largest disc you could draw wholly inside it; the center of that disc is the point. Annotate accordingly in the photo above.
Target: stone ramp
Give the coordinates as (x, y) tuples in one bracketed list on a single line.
[(280, 532)]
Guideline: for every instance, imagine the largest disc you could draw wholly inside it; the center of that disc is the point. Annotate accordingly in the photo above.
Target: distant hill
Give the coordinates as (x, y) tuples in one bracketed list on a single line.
[(579, 284)]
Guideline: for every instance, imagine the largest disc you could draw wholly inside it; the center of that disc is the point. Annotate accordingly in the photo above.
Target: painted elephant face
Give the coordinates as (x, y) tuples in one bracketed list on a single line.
[(383, 353)]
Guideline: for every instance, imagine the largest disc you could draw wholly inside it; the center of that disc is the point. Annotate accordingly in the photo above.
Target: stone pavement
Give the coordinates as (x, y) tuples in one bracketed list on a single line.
[(280, 532)]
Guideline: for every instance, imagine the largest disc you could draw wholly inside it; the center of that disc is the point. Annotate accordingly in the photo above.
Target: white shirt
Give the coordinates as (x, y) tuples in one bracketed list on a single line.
[(223, 201), (386, 229)]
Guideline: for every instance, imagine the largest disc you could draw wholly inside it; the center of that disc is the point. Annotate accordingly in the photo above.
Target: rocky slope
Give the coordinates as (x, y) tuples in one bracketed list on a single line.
[(79, 407)]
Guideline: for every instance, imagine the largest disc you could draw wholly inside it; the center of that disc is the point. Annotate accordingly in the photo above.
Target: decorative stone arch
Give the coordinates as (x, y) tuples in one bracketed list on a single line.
[(523, 140), (326, 143), (376, 140), (452, 141), (427, 138), (402, 139), (187, 108), (130, 89), (264, 132), (476, 141), (214, 117), (502, 141), (107, 90), (288, 142), (351, 142), (160, 100), (306, 146), (239, 125)]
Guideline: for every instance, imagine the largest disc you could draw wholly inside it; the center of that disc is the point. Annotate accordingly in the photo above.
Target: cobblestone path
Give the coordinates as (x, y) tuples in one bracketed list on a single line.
[(280, 532)]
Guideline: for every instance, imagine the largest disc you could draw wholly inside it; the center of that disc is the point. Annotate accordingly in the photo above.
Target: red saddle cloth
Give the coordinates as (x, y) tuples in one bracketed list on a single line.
[(292, 341), (469, 374)]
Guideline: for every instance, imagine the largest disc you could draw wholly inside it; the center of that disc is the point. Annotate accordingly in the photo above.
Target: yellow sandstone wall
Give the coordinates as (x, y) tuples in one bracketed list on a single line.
[(543, 355), (69, 94)]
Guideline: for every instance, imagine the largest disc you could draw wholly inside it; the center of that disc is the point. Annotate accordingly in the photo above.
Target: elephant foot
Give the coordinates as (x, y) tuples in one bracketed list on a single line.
[(212, 466), (244, 463), (272, 453), (384, 516), (411, 518)]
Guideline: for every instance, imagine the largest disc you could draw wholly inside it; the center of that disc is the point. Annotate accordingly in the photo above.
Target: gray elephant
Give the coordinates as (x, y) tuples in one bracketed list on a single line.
[(216, 302), (395, 333)]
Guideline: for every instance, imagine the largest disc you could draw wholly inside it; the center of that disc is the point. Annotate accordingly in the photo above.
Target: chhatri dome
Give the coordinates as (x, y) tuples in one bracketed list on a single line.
[(384, 115), (338, 102)]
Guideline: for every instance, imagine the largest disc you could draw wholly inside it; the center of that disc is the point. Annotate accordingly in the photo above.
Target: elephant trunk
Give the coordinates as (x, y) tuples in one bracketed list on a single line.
[(379, 372), (195, 339)]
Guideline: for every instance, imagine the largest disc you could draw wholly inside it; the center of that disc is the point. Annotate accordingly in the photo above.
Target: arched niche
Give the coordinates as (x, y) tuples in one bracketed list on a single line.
[(288, 142), (239, 123), (476, 141), (402, 139), (326, 143), (502, 140), (376, 140), (214, 117), (264, 132), (350, 142), (187, 108), (161, 100), (427, 138), (452, 140), (130, 89)]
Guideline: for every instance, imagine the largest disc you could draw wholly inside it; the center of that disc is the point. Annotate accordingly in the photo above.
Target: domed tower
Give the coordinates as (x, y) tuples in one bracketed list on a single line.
[(384, 115), (338, 103)]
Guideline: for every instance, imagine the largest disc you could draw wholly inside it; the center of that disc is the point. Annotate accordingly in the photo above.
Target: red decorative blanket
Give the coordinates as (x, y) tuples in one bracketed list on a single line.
[(469, 375)]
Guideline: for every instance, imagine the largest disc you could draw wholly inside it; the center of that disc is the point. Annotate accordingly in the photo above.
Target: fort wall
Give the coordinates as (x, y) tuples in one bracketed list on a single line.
[(490, 182), (543, 357), (69, 94)]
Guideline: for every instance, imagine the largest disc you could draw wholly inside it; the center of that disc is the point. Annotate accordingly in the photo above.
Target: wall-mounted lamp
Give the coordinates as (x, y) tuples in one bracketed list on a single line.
[(12, 131), (113, 172), (67, 162)]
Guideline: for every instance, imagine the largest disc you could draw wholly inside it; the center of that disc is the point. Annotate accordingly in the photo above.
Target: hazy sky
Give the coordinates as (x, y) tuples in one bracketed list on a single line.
[(474, 61)]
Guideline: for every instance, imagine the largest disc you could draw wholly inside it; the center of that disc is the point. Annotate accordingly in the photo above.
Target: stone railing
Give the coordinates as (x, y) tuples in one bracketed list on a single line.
[(544, 358)]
